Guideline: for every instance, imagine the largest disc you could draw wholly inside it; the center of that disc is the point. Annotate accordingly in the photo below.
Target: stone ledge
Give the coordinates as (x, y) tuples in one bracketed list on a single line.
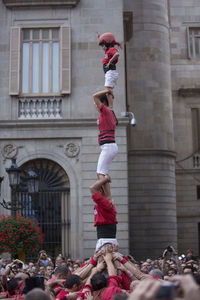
[(152, 152), (56, 123), (189, 92), (23, 3)]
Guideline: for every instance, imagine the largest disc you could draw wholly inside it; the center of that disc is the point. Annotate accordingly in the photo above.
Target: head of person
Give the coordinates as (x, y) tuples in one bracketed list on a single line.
[(104, 100), (73, 282), (98, 281), (189, 253), (13, 285), (107, 40), (36, 294), (31, 264), (43, 255), (42, 270), (59, 260), (105, 45), (32, 283), (172, 272), (145, 268), (156, 273), (75, 266), (62, 272), (49, 270)]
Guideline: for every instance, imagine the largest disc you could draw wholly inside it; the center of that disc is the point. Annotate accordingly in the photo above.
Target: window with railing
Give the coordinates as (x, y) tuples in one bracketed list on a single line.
[(40, 61)]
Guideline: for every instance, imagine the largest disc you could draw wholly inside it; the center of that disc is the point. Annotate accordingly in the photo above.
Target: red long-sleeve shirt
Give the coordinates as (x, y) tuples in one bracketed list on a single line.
[(104, 211), (113, 288)]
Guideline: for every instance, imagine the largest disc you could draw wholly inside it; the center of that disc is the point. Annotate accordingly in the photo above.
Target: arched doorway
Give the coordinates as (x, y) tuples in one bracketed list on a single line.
[(50, 207)]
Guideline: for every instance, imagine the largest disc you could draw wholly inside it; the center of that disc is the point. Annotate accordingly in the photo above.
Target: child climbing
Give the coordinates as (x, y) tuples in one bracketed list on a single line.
[(110, 59)]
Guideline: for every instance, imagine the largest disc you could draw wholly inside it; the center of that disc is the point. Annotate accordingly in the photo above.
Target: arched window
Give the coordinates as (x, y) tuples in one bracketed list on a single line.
[(50, 207)]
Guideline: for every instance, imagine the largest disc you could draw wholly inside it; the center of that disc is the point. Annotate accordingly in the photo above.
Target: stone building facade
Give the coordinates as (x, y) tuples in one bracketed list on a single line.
[(50, 121)]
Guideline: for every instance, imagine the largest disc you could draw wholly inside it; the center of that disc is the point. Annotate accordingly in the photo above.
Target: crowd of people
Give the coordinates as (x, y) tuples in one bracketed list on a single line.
[(107, 275)]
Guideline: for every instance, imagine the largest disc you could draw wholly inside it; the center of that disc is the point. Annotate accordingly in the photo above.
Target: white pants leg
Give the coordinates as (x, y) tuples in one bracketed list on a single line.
[(111, 78), (108, 153)]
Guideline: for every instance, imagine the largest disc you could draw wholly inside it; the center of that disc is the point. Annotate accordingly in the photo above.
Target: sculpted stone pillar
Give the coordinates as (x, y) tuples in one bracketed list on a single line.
[(152, 190)]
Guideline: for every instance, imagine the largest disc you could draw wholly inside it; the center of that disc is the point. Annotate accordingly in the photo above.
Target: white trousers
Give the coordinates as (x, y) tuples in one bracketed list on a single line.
[(111, 78), (108, 153), (101, 242)]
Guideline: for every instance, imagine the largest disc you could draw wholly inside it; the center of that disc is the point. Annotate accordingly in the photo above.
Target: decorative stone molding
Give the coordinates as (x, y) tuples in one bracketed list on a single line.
[(18, 3), (10, 151), (71, 149)]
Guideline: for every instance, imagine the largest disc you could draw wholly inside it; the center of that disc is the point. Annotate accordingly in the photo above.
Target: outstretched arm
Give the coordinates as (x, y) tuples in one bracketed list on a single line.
[(108, 261)]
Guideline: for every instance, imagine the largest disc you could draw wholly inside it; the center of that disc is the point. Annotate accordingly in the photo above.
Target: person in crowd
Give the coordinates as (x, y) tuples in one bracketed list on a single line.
[(59, 260), (72, 286), (44, 260), (37, 294), (57, 282), (49, 272)]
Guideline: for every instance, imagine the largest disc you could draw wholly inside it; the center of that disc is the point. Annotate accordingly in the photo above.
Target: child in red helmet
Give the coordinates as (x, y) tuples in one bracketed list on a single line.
[(110, 59)]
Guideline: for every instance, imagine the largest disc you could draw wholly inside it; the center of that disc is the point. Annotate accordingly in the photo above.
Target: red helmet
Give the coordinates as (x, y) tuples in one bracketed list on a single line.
[(108, 37)]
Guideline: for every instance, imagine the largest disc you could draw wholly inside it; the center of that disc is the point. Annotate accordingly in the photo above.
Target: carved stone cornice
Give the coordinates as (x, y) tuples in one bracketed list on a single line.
[(152, 152), (23, 3)]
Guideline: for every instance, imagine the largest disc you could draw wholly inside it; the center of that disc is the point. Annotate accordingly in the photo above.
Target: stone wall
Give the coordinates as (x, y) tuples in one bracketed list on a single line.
[(185, 85)]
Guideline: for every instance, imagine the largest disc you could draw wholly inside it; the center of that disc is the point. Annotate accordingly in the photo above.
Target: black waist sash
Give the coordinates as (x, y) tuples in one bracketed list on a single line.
[(107, 231), (111, 67)]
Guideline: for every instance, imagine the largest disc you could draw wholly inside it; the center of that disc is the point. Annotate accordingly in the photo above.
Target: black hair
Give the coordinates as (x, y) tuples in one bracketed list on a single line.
[(98, 281), (71, 280), (104, 43), (12, 284), (172, 269), (61, 270), (33, 282), (104, 99)]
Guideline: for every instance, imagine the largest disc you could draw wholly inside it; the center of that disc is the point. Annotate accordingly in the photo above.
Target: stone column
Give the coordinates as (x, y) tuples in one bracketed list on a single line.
[(152, 195)]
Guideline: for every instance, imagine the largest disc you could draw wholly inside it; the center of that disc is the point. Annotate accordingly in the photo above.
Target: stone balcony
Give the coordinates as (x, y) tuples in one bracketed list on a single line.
[(28, 3), (40, 108)]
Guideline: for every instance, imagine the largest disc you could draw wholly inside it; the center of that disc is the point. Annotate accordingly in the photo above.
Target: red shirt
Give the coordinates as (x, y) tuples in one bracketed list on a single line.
[(126, 281), (108, 55), (106, 125), (62, 295), (113, 288), (104, 211)]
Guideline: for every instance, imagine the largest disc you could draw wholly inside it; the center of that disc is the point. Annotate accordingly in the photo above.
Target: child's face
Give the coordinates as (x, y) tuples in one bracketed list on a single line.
[(104, 47)]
